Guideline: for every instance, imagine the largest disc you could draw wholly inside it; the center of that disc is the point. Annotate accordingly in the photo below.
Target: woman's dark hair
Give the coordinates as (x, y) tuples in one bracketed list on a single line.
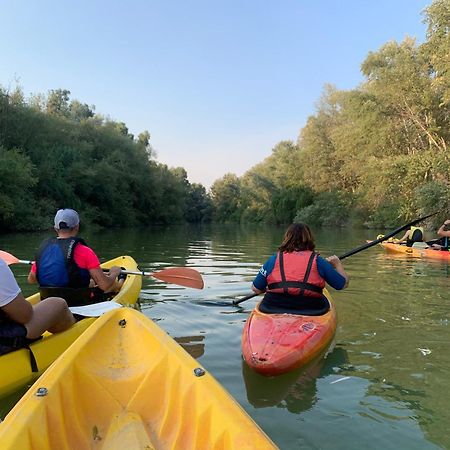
[(298, 237)]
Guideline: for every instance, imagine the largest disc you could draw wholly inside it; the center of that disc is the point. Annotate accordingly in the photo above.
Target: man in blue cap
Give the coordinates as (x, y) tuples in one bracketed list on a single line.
[(65, 265)]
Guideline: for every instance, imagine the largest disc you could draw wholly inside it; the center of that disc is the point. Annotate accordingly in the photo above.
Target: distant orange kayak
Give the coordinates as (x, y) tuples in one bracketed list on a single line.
[(273, 344), (416, 251)]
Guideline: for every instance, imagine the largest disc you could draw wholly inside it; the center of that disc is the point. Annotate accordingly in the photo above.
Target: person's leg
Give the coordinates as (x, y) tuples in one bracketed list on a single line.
[(51, 314)]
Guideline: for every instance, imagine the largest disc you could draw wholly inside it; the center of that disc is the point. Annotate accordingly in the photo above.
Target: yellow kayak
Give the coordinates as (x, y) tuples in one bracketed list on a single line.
[(15, 367), (126, 384)]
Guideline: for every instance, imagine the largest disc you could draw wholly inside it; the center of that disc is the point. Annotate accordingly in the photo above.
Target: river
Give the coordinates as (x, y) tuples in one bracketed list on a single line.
[(382, 384)]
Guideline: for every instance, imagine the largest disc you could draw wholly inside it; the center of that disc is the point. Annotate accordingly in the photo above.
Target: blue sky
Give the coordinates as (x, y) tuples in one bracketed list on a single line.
[(217, 83)]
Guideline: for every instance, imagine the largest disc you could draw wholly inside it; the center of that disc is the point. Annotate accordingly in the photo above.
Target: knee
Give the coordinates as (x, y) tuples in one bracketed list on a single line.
[(58, 304)]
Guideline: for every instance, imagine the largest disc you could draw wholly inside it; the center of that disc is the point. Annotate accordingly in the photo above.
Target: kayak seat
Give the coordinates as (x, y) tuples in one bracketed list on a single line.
[(290, 304)]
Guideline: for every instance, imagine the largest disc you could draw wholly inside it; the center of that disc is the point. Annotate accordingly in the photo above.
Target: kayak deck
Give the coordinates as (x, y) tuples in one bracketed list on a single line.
[(273, 344), (126, 384), (416, 251), (15, 366)]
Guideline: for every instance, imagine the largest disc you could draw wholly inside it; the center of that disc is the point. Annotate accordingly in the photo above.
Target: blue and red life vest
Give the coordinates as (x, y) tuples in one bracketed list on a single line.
[(296, 273), (59, 275)]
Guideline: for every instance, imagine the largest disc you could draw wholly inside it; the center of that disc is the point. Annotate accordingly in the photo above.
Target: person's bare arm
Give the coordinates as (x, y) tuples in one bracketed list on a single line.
[(32, 278), (442, 232), (404, 237), (256, 290), (19, 310), (102, 280)]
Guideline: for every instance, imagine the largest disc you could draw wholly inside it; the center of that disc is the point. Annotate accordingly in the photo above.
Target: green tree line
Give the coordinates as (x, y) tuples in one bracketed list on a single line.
[(371, 155), (56, 152)]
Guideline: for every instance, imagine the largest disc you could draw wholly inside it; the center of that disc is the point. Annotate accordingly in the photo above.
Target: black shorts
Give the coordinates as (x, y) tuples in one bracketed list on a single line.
[(13, 335)]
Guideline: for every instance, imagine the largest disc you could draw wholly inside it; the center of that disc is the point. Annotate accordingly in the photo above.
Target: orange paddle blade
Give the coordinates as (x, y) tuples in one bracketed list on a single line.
[(8, 258), (180, 275)]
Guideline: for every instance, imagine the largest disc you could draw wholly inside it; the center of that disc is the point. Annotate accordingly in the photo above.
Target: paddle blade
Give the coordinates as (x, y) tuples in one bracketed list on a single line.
[(8, 258), (180, 275)]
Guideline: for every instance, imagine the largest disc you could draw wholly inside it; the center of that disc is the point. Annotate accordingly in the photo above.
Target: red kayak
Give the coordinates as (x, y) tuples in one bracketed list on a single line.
[(273, 344)]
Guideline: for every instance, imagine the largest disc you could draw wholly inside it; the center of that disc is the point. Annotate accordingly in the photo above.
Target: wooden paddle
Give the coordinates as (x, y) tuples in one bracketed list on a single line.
[(359, 249), (183, 276)]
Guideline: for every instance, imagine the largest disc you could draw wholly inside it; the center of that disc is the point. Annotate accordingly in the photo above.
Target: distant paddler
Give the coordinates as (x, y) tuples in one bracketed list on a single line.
[(443, 243), (413, 235), (295, 276)]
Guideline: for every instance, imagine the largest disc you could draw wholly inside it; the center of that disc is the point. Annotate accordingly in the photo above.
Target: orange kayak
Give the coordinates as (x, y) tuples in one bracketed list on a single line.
[(273, 344), (416, 251)]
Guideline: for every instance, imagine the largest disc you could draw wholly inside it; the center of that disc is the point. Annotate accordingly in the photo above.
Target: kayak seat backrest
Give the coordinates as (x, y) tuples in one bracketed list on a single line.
[(286, 304), (420, 245)]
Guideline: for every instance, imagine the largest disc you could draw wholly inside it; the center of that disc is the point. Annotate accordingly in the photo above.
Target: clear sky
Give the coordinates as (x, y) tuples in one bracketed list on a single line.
[(217, 83)]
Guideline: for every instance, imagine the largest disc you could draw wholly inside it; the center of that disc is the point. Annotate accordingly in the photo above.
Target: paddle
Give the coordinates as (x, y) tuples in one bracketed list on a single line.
[(359, 249), (183, 276), (96, 309)]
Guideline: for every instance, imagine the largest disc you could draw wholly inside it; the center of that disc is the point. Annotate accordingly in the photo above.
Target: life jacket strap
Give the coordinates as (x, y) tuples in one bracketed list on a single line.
[(295, 284), (18, 342)]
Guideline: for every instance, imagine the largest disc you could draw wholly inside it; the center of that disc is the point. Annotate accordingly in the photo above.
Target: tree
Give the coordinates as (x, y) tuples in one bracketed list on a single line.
[(80, 111), (225, 195), (58, 102)]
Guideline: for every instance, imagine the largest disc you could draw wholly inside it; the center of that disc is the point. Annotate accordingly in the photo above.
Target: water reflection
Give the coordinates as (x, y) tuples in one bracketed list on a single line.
[(384, 385), (296, 391), (192, 344)]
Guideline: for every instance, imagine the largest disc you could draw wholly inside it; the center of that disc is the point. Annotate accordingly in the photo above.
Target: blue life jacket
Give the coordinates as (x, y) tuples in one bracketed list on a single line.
[(55, 266)]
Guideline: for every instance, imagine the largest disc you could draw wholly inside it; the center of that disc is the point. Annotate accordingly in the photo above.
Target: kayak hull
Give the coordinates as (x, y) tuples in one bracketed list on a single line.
[(273, 344), (15, 366), (126, 384), (416, 252)]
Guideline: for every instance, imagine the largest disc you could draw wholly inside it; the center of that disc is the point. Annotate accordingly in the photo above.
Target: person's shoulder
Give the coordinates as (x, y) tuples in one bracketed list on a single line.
[(273, 257), (84, 249)]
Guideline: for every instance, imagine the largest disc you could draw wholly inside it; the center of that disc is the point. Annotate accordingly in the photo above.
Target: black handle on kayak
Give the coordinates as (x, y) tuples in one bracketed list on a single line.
[(360, 248)]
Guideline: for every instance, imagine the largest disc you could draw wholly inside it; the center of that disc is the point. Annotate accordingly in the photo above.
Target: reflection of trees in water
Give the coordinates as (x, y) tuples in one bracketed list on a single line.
[(191, 345), (427, 405), (296, 391), (414, 387)]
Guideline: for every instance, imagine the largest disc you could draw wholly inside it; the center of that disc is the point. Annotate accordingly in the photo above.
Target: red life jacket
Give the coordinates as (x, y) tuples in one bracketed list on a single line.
[(296, 273)]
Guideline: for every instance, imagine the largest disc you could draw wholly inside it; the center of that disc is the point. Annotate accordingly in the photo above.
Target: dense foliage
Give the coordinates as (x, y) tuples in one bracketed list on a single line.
[(371, 155), (58, 153)]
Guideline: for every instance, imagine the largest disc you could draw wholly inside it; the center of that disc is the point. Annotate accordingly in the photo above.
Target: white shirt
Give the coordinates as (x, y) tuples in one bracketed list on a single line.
[(9, 289)]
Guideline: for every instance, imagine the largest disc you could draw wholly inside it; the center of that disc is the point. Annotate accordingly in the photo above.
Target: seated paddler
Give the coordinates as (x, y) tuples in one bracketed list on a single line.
[(293, 278), (443, 243), (20, 322), (411, 236), (66, 267)]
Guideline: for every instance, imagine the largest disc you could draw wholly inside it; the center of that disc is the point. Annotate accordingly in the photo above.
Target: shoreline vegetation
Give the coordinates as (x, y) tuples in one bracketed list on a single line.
[(372, 156)]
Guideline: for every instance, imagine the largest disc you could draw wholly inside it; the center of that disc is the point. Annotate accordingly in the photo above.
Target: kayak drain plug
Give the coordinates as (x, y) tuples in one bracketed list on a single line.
[(122, 323), (41, 392), (199, 372)]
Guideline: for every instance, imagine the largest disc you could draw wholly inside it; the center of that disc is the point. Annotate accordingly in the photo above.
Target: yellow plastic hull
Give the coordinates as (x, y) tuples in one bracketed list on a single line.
[(125, 384), (15, 368)]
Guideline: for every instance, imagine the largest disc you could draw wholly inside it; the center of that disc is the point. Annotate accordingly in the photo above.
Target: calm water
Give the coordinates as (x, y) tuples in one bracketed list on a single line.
[(383, 383)]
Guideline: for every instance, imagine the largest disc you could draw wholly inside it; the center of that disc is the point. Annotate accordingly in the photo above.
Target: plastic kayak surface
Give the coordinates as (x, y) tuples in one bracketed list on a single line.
[(126, 384), (416, 251), (273, 344), (15, 367)]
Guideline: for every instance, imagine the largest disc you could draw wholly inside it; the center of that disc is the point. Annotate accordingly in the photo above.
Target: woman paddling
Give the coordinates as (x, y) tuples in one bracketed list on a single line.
[(294, 277)]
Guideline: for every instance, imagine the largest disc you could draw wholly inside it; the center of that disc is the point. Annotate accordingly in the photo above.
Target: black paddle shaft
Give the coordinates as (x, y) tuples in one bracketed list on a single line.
[(385, 237), (359, 249)]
